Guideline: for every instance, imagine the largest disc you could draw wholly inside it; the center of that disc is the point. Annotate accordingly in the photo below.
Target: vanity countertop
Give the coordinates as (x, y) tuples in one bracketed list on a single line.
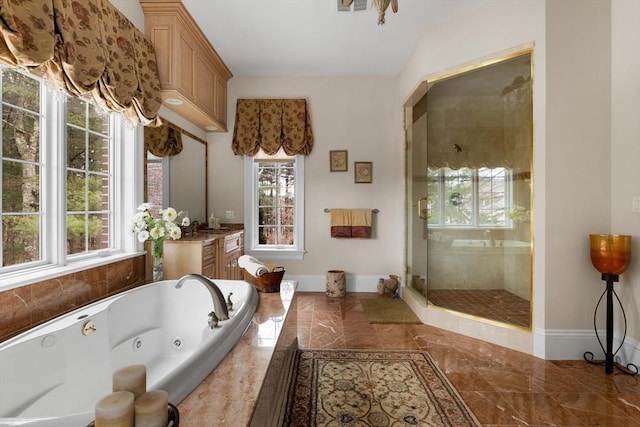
[(203, 235), (228, 396)]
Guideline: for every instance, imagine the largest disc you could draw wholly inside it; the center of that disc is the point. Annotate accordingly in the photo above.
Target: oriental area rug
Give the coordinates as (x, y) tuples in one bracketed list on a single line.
[(372, 388)]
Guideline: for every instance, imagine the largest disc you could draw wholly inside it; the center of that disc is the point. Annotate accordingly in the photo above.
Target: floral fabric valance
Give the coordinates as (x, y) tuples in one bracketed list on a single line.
[(162, 140), (270, 124), (88, 48)]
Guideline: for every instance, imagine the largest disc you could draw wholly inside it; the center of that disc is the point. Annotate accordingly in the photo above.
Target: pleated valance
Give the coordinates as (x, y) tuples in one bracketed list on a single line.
[(87, 48), (162, 140), (270, 124)]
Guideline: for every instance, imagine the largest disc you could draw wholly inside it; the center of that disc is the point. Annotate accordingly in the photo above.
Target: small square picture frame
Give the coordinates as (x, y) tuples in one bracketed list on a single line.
[(363, 172), (338, 161)]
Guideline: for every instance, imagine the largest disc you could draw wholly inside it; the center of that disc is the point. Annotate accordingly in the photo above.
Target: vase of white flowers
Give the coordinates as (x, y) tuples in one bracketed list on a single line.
[(157, 230)]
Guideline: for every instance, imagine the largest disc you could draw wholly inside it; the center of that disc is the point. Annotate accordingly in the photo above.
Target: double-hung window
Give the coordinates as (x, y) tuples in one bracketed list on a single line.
[(22, 166), (469, 198), (89, 178), (274, 206), (61, 172)]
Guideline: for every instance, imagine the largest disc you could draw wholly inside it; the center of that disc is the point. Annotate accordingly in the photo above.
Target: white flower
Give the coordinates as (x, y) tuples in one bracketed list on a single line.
[(169, 214), (175, 233), (144, 207), (138, 222), (157, 232), (143, 235), (185, 222)]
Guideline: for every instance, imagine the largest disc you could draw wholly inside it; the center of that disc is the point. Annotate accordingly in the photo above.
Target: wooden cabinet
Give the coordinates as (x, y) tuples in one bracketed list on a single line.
[(231, 248), (192, 74), (186, 257), (214, 256)]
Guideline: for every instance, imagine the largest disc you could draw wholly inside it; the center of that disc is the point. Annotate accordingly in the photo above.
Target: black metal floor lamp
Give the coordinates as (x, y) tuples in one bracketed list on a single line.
[(610, 255)]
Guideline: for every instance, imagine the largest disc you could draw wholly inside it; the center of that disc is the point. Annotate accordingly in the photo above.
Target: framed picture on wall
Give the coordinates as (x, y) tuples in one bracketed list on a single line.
[(338, 161), (363, 172)]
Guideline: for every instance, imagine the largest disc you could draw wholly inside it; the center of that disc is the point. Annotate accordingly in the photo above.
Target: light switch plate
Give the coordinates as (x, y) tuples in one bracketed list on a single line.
[(635, 204), (232, 214)]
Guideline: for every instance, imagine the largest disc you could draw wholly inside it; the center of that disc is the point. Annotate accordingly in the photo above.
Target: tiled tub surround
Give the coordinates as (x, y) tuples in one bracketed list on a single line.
[(253, 373), (25, 307), (159, 325)]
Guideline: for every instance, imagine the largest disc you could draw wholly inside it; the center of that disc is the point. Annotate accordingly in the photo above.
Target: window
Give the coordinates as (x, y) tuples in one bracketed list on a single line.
[(274, 206), (21, 169), (469, 197), (60, 159), (88, 178), (276, 195)]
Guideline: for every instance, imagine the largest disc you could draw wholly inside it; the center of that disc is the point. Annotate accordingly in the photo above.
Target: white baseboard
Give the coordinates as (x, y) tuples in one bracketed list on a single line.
[(567, 344), (318, 283), (548, 344)]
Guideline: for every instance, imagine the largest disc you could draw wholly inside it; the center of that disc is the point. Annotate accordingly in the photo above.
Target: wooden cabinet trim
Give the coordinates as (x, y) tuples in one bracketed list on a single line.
[(182, 77)]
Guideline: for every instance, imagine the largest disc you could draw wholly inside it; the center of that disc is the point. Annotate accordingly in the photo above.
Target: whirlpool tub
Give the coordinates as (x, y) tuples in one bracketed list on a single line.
[(53, 374)]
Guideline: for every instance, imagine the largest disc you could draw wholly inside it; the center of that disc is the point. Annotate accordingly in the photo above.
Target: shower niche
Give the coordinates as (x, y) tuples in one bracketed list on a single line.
[(468, 184)]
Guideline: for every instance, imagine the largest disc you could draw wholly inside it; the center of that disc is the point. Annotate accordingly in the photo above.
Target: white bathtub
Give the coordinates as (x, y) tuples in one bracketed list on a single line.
[(53, 374)]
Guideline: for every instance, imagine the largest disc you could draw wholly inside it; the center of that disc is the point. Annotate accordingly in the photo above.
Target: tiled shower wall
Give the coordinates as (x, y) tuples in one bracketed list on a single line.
[(25, 307)]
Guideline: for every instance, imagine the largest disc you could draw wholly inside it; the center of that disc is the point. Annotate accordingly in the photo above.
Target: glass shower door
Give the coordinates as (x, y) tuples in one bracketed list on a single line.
[(417, 208)]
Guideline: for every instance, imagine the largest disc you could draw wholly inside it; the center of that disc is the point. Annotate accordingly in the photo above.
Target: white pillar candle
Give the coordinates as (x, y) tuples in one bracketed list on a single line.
[(115, 410), (132, 378), (152, 409)]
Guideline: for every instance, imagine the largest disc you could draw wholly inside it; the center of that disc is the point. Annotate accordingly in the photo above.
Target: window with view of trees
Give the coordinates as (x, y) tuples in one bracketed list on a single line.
[(469, 197), (38, 125), (276, 192), (21, 169), (88, 177), (274, 205)]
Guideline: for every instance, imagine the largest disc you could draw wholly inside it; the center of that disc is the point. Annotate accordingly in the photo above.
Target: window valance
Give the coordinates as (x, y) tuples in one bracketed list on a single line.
[(162, 140), (270, 124), (87, 48)]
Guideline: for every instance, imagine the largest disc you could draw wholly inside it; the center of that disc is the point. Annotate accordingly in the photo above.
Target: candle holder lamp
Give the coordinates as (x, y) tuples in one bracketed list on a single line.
[(610, 255)]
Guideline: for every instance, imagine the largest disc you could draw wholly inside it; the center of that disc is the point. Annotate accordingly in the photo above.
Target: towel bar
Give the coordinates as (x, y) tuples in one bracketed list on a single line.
[(372, 210)]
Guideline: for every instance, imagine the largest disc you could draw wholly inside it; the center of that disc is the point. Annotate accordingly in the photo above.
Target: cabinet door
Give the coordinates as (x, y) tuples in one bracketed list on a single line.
[(233, 249), (220, 113), (186, 58), (208, 259), (181, 258), (205, 83)]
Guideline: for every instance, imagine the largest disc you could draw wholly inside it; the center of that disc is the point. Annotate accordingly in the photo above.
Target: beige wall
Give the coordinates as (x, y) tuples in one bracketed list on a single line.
[(625, 148), (578, 152), (358, 114)]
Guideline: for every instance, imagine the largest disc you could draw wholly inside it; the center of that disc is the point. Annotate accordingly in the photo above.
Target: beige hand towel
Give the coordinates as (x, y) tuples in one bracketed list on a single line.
[(361, 223), (340, 222)]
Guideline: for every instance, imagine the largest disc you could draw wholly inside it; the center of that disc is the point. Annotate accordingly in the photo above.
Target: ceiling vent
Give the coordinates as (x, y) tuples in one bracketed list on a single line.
[(353, 5)]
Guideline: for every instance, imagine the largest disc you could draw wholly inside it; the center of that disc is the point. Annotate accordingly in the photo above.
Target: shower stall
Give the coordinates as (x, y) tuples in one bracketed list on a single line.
[(468, 184)]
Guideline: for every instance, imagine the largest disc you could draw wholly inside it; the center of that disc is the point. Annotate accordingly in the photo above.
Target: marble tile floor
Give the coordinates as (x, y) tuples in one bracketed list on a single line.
[(493, 304), (502, 387)]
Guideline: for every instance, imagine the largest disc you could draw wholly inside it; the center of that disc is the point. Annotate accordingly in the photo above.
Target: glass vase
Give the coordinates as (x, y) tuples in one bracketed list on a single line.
[(157, 267)]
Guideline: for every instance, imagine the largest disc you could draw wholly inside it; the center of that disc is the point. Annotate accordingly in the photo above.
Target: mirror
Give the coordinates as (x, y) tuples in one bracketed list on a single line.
[(180, 180), (469, 182)]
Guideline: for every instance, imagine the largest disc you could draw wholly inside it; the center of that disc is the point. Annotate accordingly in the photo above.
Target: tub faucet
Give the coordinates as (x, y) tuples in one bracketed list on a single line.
[(492, 241), (219, 304)]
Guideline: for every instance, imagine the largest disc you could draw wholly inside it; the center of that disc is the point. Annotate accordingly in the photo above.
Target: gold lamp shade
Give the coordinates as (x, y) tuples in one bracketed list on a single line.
[(610, 253)]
